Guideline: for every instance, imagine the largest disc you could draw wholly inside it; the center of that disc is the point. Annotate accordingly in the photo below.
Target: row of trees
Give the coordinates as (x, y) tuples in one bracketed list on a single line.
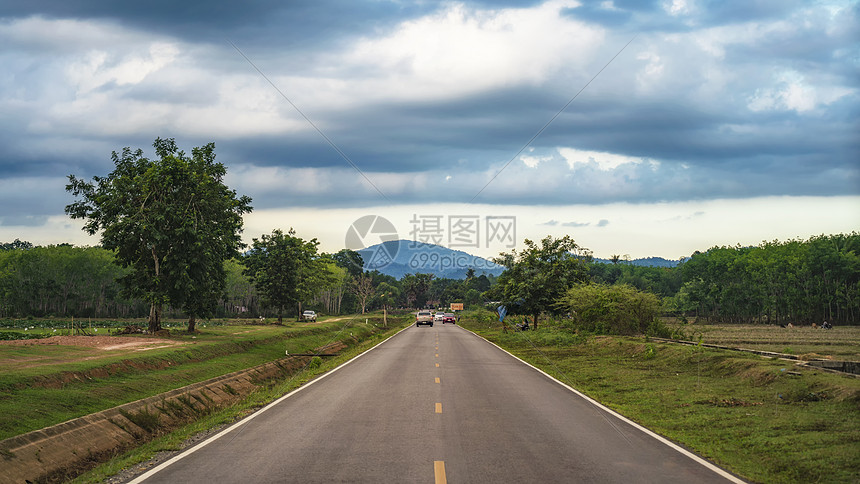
[(279, 274), (62, 280), (777, 282), (794, 281)]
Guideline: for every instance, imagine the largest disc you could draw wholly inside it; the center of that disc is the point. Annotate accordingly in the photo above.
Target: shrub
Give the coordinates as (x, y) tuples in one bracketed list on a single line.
[(616, 309)]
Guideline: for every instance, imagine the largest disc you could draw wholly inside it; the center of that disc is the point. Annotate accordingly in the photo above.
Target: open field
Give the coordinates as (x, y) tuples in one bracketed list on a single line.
[(51, 380), (840, 343), (762, 418)]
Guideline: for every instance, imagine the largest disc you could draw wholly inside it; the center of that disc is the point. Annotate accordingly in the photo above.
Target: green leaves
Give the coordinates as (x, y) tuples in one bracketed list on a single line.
[(284, 268), (778, 282), (616, 309), (172, 221), (538, 276)]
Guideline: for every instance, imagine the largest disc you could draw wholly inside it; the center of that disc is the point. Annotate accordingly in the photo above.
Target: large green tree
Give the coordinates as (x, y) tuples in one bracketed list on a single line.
[(536, 277), (284, 268), (171, 220)]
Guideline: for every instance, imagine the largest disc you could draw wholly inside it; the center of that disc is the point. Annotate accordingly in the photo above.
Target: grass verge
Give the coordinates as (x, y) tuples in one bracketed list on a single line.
[(763, 419)]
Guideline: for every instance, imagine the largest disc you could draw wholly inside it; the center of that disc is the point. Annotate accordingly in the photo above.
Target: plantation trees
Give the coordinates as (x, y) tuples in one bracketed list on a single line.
[(778, 282), (171, 221)]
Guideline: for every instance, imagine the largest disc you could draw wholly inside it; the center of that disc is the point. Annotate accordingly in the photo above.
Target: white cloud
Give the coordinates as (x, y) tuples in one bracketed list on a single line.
[(94, 70), (462, 50), (601, 160), (676, 7), (793, 93), (608, 5), (534, 161)]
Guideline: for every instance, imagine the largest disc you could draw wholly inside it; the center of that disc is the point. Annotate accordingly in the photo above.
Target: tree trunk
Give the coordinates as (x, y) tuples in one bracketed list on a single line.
[(534, 320), (154, 318), (192, 322)]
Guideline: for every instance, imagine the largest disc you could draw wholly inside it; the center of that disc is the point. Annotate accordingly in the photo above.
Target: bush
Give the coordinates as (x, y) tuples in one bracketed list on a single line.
[(616, 309)]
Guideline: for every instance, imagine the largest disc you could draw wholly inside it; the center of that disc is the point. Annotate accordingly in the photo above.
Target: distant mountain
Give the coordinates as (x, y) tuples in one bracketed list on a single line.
[(400, 257), (647, 261)]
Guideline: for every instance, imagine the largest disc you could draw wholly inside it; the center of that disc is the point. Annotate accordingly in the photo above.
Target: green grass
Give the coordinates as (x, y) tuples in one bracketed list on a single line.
[(66, 385), (763, 419)]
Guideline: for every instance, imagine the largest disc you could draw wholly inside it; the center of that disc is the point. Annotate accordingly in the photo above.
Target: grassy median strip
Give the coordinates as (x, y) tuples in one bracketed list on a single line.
[(764, 419), (366, 336)]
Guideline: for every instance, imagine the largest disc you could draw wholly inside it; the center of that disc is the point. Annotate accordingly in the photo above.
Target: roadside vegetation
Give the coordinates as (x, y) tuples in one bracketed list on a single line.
[(762, 418)]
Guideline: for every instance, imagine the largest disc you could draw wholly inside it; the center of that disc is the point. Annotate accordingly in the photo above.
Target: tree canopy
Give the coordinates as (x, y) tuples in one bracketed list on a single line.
[(284, 268), (171, 221), (536, 277)]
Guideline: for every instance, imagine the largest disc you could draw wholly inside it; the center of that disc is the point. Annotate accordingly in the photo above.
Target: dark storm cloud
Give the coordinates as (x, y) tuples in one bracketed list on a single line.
[(270, 24)]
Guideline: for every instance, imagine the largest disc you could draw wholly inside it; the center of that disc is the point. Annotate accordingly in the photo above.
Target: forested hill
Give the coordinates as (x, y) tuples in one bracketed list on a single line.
[(400, 257)]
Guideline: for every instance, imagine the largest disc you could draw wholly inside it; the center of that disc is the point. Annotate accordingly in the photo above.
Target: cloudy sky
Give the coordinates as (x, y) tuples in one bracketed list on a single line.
[(692, 123)]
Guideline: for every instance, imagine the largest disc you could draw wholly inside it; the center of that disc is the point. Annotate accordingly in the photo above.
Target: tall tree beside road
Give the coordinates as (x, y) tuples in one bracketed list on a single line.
[(172, 221), (282, 268), (538, 276)]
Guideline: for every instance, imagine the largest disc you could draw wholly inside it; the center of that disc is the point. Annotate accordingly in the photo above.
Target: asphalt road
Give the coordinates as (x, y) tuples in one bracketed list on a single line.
[(434, 405)]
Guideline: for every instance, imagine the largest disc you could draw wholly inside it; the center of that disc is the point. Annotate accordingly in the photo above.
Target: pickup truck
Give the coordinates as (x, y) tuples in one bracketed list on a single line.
[(424, 317)]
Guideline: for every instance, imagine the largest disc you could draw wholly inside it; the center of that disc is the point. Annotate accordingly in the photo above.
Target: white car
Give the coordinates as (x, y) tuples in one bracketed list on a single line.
[(309, 316), (438, 317)]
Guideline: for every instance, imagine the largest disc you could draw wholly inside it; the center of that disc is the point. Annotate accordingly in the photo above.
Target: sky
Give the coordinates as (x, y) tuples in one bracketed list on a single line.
[(637, 128)]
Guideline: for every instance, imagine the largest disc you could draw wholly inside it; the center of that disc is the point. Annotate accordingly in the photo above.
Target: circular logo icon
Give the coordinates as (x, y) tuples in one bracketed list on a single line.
[(375, 238)]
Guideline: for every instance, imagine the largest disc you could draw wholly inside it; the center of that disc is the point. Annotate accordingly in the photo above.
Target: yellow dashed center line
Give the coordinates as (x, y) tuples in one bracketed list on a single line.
[(437, 365), (439, 470), (437, 355), (437, 380), (438, 408)]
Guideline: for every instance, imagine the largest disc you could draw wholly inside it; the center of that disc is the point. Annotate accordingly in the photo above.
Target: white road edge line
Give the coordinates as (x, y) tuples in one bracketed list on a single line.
[(700, 460), (143, 477)]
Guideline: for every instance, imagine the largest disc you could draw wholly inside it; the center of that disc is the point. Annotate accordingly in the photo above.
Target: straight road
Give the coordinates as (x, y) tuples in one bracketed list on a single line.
[(434, 404)]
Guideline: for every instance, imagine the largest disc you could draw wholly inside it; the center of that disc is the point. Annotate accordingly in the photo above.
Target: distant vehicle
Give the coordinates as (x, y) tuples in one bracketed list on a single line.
[(449, 318), (438, 317), (424, 317), (309, 316)]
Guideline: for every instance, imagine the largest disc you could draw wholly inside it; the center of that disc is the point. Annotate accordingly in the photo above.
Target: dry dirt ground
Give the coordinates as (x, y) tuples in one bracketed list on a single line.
[(100, 342), (78, 348)]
